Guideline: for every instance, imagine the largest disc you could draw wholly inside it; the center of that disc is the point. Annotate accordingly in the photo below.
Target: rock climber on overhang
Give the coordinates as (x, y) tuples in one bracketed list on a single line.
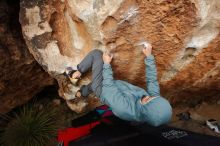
[(127, 101)]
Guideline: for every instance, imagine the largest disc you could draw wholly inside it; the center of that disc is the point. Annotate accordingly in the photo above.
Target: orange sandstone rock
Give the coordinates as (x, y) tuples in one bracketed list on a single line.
[(60, 33)]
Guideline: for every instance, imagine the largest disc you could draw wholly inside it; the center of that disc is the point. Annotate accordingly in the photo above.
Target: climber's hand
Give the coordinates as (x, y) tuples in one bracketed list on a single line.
[(76, 75), (147, 49), (107, 58)]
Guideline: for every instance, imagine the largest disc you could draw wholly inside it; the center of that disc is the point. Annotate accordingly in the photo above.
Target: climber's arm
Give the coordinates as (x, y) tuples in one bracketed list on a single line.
[(107, 75), (151, 72), (110, 93), (108, 82), (151, 76), (107, 70)]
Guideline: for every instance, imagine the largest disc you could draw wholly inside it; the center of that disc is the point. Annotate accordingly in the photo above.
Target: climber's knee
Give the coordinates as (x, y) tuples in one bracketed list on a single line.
[(96, 52)]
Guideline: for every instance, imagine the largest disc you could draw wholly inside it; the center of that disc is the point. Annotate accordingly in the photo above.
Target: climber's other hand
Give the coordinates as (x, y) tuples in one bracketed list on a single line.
[(107, 57), (147, 49)]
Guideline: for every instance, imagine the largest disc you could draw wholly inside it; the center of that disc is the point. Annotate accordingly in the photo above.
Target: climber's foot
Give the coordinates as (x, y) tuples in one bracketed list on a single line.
[(73, 75), (78, 94), (76, 74), (69, 72)]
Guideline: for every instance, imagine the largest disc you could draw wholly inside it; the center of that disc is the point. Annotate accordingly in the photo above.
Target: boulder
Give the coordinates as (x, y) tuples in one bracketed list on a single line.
[(21, 77), (184, 34)]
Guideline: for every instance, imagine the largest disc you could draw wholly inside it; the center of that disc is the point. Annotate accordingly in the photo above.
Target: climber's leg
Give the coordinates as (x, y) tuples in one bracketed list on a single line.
[(92, 60), (85, 90)]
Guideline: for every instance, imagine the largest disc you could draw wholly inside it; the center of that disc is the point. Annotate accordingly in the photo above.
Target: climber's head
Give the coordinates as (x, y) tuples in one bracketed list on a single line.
[(155, 110)]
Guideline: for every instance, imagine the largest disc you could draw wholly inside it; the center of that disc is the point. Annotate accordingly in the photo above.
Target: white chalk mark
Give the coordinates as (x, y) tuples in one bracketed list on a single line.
[(128, 15)]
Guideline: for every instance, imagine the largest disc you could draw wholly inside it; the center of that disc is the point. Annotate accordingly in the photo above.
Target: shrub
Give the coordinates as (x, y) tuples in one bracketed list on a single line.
[(31, 127)]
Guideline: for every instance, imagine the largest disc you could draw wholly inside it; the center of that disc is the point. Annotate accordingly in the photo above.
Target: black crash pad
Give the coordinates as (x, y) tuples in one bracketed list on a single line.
[(123, 133)]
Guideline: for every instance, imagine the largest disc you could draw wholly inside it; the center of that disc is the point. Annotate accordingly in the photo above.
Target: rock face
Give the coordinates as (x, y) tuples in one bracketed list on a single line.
[(184, 34), (20, 77)]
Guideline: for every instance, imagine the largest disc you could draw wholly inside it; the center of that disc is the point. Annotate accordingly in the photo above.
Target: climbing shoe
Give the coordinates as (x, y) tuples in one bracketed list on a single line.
[(68, 73)]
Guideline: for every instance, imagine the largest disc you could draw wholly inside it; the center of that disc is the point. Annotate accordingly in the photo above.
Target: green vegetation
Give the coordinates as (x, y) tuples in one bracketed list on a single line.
[(31, 126)]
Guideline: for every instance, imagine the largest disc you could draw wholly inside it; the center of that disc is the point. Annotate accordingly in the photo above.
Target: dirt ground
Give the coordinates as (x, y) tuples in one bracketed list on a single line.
[(198, 115)]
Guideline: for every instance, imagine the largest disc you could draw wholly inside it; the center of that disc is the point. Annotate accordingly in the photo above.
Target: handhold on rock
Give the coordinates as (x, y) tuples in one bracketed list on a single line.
[(145, 43)]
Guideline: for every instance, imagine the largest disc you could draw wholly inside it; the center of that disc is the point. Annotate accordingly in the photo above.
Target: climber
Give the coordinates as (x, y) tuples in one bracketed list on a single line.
[(127, 101)]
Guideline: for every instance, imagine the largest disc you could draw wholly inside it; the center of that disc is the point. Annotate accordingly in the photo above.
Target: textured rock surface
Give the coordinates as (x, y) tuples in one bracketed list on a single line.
[(21, 77), (184, 34)]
